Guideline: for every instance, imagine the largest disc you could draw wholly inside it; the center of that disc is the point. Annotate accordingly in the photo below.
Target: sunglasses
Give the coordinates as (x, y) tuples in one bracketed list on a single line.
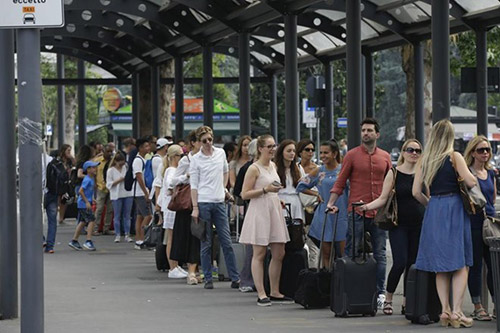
[(413, 150), (309, 150), (204, 141), (270, 146), (483, 150)]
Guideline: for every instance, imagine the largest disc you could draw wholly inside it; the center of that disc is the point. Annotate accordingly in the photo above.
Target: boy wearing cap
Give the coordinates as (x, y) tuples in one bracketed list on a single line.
[(84, 204)]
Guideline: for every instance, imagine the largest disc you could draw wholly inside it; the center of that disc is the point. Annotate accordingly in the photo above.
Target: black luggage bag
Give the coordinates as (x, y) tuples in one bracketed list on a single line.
[(422, 300), (354, 283), (313, 290), (161, 255), (293, 263)]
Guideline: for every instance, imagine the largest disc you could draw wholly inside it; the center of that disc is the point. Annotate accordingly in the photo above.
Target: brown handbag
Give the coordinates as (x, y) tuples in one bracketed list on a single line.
[(181, 198), (387, 217), (473, 199)]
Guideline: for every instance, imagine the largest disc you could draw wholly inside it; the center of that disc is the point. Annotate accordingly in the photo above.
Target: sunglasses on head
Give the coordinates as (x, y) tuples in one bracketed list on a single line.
[(309, 150), (207, 140), (483, 150), (413, 150)]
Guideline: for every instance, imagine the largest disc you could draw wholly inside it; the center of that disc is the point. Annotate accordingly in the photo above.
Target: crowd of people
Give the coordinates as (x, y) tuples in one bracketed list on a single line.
[(264, 182)]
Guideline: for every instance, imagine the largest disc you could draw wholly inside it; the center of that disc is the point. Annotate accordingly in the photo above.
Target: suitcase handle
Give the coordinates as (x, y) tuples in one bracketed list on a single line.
[(357, 204), (323, 238)]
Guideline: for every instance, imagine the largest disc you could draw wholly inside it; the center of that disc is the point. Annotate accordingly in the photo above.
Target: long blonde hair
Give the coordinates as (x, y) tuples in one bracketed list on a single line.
[(471, 147), (171, 152), (439, 147), (401, 158)]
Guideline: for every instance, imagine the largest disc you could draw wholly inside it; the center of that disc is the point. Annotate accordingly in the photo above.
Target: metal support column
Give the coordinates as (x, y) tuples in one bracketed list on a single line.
[(208, 87), (274, 106), (482, 81), (179, 98), (329, 106), (244, 80), (369, 85), (61, 100), (292, 114), (30, 177), (418, 58), (82, 107), (440, 60), (135, 104), (8, 213), (354, 91), (155, 100)]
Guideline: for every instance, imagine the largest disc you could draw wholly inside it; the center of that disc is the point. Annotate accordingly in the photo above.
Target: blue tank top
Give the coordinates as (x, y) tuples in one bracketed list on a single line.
[(446, 180), (488, 188)]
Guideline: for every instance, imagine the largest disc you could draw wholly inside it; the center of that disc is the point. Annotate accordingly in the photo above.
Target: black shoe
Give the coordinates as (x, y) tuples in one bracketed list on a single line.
[(282, 300), (209, 285), (264, 301), (235, 284)]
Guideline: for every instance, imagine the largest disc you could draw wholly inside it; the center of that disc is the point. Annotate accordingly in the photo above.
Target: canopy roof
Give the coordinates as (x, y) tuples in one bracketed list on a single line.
[(123, 36)]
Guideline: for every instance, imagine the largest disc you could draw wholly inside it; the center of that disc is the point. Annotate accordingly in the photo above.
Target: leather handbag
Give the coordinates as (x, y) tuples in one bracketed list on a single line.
[(198, 229), (473, 199), (491, 228), (295, 230), (387, 217), (181, 198)]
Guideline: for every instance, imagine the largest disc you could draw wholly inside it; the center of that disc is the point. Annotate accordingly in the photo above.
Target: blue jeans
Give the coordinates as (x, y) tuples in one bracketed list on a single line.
[(480, 251), (50, 204), (122, 208), (214, 213), (378, 239)]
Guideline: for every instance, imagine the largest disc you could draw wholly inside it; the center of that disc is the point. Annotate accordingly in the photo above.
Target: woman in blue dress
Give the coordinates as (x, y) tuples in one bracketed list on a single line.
[(445, 240), (323, 178)]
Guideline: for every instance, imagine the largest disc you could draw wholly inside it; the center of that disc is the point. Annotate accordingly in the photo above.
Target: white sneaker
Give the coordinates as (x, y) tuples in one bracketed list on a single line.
[(117, 239), (128, 239), (176, 274), (380, 301), (182, 270)]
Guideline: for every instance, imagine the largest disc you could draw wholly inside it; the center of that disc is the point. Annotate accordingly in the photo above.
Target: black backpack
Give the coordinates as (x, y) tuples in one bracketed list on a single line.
[(59, 180), (129, 176)]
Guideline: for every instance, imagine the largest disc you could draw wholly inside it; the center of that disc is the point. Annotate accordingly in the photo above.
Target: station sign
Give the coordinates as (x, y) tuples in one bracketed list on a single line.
[(308, 114), (342, 122), (21, 14)]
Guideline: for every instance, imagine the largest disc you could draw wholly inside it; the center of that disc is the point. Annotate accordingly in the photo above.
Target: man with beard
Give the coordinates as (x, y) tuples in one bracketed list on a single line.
[(365, 167)]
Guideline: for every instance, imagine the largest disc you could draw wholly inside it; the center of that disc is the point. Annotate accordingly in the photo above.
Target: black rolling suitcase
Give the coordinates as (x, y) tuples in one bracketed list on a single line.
[(161, 255), (313, 290), (422, 300), (354, 283), (293, 263)]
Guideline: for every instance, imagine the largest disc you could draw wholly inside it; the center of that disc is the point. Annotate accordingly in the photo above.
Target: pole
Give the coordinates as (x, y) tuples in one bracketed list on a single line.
[(292, 118), (135, 104), (8, 213), (30, 177), (440, 26), (61, 116), (369, 85), (274, 107), (179, 98), (329, 104), (318, 134), (354, 92), (482, 81), (418, 57), (208, 88), (155, 100), (244, 80), (82, 107)]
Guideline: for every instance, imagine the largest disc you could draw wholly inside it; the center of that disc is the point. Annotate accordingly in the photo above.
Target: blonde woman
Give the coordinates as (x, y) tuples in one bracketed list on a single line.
[(477, 157), (405, 237), (241, 157), (445, 241)]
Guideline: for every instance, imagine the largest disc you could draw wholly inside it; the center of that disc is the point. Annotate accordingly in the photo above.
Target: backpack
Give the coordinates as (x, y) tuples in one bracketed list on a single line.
[(129, 176), (59, 181), (147, 172)]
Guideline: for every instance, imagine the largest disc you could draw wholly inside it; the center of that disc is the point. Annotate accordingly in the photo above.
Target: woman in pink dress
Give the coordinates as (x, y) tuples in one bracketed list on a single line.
[(264, 224)]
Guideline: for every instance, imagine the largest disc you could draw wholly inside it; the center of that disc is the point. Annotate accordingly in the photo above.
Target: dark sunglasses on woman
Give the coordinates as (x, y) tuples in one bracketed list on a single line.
[(413, 150), (204, 141), (483, 150)]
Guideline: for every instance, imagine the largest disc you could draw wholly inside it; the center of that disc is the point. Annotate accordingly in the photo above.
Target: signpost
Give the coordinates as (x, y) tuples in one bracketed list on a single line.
[(342, 122), (32, 14)]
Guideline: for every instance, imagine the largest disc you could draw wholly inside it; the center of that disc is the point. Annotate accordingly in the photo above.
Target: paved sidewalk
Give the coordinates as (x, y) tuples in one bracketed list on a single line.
[(117, 289)]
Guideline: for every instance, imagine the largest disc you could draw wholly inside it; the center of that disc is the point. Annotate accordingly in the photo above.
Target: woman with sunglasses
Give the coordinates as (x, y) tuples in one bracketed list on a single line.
[(405, 237), (264, 223), (478, 156)]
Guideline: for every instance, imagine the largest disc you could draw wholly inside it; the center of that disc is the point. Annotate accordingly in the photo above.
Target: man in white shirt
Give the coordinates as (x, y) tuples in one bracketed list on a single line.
[(141, 192), (162, 145), (209, 175)]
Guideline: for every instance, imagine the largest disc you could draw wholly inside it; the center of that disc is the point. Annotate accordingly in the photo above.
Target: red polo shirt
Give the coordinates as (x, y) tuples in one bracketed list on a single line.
[(366, 173)]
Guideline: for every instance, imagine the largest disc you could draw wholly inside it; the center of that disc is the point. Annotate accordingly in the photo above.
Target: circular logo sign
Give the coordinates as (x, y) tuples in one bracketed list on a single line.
[(112, 99)]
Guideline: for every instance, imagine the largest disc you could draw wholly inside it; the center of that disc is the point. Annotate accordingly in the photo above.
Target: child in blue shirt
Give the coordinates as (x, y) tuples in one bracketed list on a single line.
[(84, 204)]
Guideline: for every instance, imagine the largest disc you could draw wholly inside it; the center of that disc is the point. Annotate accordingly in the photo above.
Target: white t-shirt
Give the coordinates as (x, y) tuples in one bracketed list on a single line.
[(138, 167), (165, 193), (207, 175), (117, 191), (156, 161)]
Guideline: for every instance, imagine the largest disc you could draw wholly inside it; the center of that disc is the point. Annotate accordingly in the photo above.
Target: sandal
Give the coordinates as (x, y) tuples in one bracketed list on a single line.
[(444, 319), (481, 315), (387, 308), (461, 320)]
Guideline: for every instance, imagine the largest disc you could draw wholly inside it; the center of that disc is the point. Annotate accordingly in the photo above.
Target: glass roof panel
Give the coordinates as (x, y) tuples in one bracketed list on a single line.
[(409, 13), (300, 28), (383, 2), (367, 31), (262, 58), (374, 25), (322, 41), (263, 39), (477, 5), (280, 47), (425, 7), (331, 14)]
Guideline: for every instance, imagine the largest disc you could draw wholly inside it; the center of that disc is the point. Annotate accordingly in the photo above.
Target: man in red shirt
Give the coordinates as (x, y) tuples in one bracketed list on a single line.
[(365, 166)]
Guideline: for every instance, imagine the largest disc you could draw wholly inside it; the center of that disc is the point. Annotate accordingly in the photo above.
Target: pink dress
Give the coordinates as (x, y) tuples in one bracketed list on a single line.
[(264, 222)]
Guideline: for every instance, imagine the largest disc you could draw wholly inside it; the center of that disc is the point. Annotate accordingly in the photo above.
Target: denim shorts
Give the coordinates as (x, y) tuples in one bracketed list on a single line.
[(85, 215), (142, 207)]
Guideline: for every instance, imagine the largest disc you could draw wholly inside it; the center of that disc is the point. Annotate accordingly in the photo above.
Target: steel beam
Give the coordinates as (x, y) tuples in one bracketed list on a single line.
[(155, 100), (135, 104), (369, 85), (244, 66), (208, 87), (8, 202), (274, 106), (354, 89), (82, 106), (418, 58), (30, 179), (179, 98), (440, 60), (292, 115), (329, 106), (482, 81), (61, 116)]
